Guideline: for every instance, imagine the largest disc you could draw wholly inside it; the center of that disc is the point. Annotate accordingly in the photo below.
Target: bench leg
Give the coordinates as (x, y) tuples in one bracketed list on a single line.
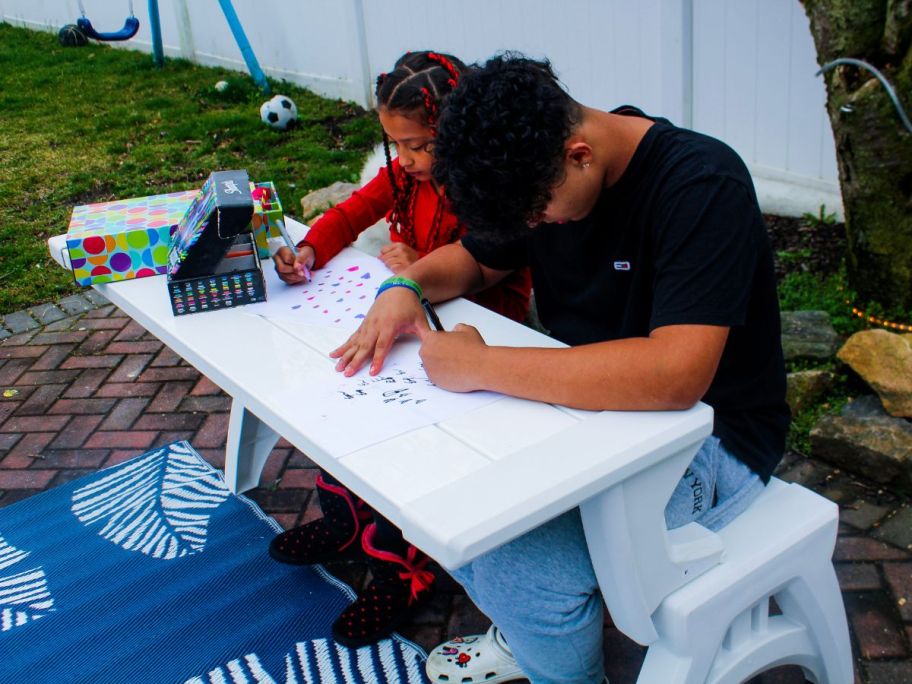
[(756, 641), (636, 559), (250, 441), (818, 602), (730, 636)]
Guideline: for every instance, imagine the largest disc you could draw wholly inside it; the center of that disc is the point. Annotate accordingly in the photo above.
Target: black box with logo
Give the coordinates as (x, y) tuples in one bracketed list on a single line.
[(236, 280), (213, 261)]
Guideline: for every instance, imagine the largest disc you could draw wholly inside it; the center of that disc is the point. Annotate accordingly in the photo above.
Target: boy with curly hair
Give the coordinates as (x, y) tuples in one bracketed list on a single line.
[(650, 258)]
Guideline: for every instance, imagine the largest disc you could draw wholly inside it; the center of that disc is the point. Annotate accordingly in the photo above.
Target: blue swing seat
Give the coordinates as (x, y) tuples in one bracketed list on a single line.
[(130, 27)]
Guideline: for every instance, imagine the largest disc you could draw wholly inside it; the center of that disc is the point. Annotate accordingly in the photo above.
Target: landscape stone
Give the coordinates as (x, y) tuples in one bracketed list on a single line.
[(19, 322), (96, 297), (373, 239), (75, 304), (319, 201), (884, 361), (808, 335), (47, 313), (866, 440), (897, 530), (862, 514), (804, 387)]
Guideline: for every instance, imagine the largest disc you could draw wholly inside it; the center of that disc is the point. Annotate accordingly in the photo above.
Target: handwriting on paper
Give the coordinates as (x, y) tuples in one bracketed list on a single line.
[(393, 386)]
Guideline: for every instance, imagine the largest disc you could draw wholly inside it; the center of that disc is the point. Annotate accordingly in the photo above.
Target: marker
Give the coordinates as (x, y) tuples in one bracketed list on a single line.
[(431, 314), (291, 245)]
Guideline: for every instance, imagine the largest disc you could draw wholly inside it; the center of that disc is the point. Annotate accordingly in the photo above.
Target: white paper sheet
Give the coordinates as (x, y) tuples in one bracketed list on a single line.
[(342, 414)]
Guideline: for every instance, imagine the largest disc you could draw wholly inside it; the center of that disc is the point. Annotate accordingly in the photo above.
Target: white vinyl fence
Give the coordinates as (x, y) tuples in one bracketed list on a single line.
[(740, 70)]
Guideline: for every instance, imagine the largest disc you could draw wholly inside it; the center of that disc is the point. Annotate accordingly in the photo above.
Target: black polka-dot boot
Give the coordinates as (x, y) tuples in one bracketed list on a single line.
[(400, 585), (331, 537)]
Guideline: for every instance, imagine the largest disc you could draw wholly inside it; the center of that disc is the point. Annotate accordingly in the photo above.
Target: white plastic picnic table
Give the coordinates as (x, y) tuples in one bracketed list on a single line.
[(466, 485)]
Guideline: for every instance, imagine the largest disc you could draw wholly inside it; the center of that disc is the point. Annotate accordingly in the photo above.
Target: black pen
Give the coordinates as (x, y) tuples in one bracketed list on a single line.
[(431, 314)]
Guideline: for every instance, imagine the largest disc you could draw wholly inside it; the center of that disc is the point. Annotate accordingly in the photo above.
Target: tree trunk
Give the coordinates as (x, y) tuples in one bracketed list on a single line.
[(873, 148)]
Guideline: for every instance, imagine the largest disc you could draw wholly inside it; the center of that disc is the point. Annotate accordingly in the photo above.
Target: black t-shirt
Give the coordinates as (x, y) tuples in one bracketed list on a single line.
[(679, 239)]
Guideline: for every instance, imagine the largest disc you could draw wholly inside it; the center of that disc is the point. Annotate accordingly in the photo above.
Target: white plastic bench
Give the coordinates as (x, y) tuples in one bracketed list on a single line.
[(714, 625)]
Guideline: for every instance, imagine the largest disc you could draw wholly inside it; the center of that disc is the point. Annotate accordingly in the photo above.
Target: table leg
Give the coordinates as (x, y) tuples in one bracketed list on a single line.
[(250, 441), (637, 561)]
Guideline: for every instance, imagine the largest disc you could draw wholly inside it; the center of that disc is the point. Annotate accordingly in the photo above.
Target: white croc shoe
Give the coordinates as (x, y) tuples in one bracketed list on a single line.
[(477, 659)]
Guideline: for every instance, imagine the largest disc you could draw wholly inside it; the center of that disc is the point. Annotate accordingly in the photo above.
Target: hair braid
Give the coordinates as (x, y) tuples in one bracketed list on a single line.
[(400, 216), (430, 107), (448, 65)]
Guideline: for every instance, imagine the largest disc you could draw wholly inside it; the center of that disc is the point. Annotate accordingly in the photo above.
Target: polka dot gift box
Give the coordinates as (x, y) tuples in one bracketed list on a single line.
[(124, 239)]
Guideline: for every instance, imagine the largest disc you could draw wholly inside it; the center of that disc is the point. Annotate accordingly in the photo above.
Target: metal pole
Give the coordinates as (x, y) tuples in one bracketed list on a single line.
[(687, 64), (155, 26), (241, 39), (362, 66)]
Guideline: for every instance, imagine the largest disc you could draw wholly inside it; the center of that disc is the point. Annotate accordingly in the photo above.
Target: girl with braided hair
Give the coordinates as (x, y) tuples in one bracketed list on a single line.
[(409, 101)]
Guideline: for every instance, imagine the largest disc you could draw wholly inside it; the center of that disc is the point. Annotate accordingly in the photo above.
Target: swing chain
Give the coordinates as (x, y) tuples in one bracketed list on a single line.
[(82, 9)]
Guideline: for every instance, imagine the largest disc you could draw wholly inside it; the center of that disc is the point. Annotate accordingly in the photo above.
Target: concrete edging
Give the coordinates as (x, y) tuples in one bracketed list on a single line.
[(41, 315)]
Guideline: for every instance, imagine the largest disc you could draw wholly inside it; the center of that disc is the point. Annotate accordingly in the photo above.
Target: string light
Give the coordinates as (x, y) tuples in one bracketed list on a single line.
[(903, 327), (874, 320)]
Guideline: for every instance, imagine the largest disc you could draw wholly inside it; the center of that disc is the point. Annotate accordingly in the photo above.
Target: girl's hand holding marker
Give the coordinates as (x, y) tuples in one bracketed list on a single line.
[(293, 264)]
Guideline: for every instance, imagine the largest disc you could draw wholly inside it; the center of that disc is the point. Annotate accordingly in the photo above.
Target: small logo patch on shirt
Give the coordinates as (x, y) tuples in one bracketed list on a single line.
[(621, 265)]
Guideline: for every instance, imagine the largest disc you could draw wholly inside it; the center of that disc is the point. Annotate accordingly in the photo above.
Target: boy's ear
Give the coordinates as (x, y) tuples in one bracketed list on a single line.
[(579, 153)]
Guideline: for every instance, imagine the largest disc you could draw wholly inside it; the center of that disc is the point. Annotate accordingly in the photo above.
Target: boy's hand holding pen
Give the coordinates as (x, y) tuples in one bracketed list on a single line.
[(431, 314)]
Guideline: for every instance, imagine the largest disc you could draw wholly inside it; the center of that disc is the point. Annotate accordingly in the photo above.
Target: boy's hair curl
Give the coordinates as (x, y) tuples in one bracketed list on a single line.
[(500, 143)]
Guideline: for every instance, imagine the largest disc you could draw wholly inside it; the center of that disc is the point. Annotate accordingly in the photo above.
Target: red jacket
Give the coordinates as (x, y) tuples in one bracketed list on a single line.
[(341, 225)]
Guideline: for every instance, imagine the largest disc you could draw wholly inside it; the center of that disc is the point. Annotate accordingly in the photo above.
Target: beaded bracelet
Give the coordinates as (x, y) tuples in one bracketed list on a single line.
[(399, 281)]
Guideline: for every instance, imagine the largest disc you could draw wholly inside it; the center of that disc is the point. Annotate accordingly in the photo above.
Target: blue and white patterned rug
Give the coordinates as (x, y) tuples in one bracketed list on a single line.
[(152, 571)]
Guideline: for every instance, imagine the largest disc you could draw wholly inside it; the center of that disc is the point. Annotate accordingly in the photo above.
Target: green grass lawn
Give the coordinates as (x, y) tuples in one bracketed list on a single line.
[(91, 124)]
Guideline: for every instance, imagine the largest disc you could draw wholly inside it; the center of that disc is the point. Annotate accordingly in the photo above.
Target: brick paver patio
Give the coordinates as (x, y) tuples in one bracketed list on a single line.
[(82, 387)]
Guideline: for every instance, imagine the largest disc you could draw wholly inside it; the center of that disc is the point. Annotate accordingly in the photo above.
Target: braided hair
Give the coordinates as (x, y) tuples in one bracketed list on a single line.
[(415, 88)]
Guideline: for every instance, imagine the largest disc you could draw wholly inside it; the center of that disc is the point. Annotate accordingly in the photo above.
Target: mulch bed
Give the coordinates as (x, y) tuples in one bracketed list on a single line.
[(806, 246)]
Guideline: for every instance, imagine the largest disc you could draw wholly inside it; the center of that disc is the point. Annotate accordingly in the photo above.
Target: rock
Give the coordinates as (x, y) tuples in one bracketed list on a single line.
[(884, 361), (371, 240), (320, 200), (806, 386), (808, 335), (864, 439)]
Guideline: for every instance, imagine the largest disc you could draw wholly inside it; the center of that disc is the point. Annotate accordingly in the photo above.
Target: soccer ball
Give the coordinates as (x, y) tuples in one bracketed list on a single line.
[(71, 36), (221, 86), (279, 112)]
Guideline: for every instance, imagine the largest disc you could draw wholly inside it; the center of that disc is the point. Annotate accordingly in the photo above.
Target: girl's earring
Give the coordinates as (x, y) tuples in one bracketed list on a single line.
[(586, 165)]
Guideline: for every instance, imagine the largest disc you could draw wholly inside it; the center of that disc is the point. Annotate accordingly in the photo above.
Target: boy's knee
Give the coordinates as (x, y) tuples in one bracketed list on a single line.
[(464, 575)]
